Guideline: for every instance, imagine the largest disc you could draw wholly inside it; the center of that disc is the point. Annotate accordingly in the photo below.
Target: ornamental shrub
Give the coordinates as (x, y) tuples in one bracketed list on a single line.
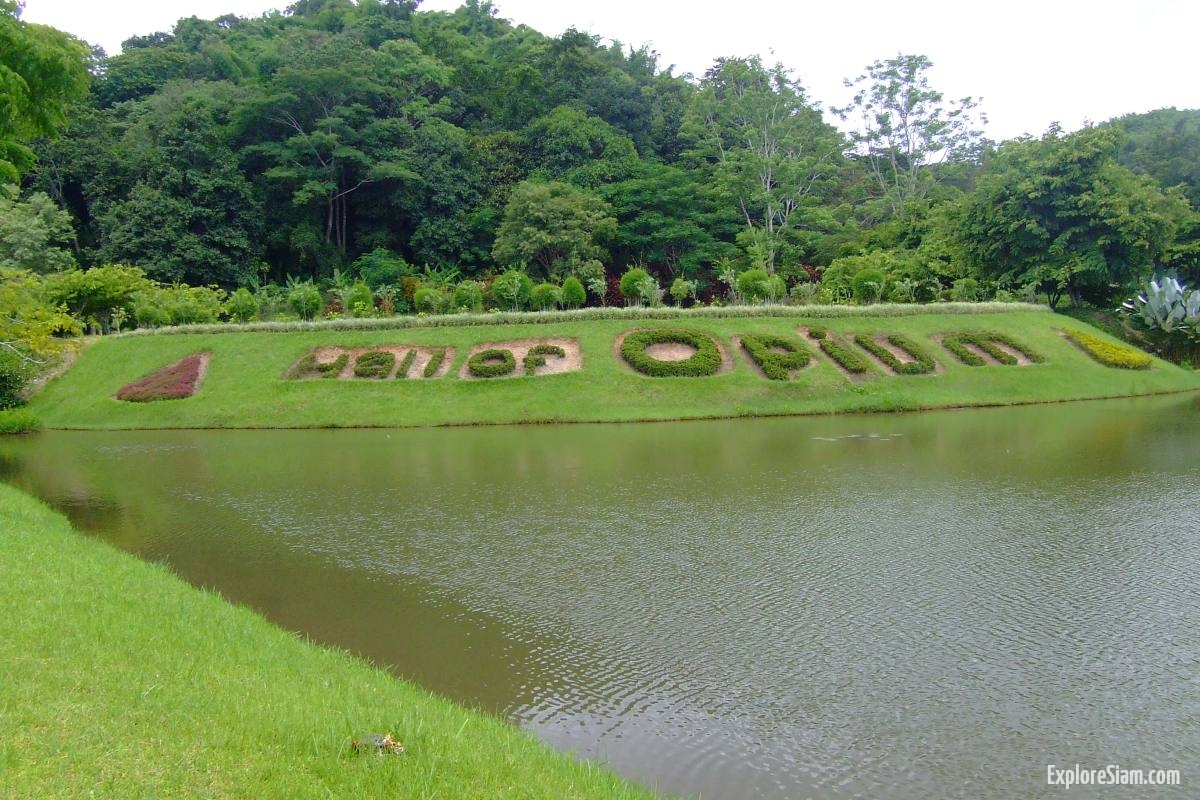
[(965, 290), (754, 285), (376, 364), (359, 301), (850, 361), (494, 363), (632, 285), (381, 267), (536, 356), (18, 420), (468, 295), (309, 367), (1108, 353), (987, 342), (406, 364), (763, 351), (305, 300), (920, 365), (705, 361), (545, 296), (573, 293), (173, 382), (867, 285), (15, 373), (512, 289), (435, 362), (817, 332), (427, 300), (681, 290), (242, 307)]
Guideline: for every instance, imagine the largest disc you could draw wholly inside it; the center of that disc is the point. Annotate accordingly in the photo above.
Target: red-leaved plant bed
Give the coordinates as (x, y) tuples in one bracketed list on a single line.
[(172, 382)]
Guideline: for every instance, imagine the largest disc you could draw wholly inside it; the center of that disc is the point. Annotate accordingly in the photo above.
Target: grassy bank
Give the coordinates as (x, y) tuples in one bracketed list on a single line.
[(244, 387), (122, 681)]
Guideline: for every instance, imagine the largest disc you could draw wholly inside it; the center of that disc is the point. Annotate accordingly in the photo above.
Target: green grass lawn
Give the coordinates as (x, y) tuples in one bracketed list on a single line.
[(119, 680), (244, 386)]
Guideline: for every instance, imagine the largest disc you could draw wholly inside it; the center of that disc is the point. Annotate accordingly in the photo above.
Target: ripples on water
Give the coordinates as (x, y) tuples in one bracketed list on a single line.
[(906, 607)]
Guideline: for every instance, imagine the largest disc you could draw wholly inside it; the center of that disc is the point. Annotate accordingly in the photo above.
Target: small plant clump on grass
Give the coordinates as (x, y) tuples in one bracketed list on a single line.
[(492, 363), (435, 362), (309, 367), (705, 361), (536, 356), (18, 420), (173, 382), (406, 364), (921, 364), (763, 351), (1107, 353), (376, 364), (817, 333), (987, 342), (850, 361)]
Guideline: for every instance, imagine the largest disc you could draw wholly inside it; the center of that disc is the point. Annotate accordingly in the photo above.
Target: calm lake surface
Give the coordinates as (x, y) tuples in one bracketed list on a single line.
[(903, 606)]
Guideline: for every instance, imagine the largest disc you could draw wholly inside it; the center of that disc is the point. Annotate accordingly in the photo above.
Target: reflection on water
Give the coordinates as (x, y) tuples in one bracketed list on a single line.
[(907, 606)]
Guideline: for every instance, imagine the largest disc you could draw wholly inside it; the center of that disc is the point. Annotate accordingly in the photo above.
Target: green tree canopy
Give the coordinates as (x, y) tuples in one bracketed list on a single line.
[(554, 227)]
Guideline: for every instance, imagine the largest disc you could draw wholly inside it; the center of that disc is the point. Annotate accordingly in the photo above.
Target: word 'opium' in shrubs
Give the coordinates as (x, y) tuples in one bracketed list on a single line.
[(990, 343), (375, 364), (173, 382), (536, 356), (492, 363), (763, 350), (921, 363), (849, 360), (1107, 353), (706, 360)]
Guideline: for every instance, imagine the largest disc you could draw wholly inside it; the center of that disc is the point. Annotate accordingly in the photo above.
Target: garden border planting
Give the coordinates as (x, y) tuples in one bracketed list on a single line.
[(850, 362), (1107, 353), (434, 363), (406, 365), (570, 358), (921, 364), (309, 366), (172, 382), (494, 362), (986, 342), (705, 361), (762, 349), (342, 363), (374, 364), (536, 356)]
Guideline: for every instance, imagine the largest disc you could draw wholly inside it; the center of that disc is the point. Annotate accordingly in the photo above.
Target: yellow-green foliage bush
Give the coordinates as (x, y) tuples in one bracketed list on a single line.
[(1107, 353)]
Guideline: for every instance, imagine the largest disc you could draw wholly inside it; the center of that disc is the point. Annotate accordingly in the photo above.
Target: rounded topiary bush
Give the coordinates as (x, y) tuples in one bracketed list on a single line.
[(545, 296), (468, 295), (359, 300), (494, 363), (631, 284), (242, 306), (868, 285), (511, 290), (427, 300), (573, 293), (754, 285), (705, 361)]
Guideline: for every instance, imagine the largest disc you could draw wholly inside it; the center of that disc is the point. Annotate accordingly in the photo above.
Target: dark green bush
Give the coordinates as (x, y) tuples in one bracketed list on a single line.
[(921, 364), (492, 363), (777, 366), (753, 284), (817, 333), (867, 285), (631, 284), (851, 361), (435, 363), (468, 295), (406, 364), (545, 296), (309, 367), (512, 289), (573, 294), (705, 361), (359, 300), (536, 356), (15, 373), (986, 341), (376, 364), (427, 300)]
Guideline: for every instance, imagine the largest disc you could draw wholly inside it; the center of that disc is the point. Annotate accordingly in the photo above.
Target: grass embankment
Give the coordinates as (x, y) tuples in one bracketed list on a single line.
[(122, 681), (244, 388)]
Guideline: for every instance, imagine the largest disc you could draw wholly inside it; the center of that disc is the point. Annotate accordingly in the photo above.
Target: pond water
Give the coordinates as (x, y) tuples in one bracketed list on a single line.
[(902, 606)]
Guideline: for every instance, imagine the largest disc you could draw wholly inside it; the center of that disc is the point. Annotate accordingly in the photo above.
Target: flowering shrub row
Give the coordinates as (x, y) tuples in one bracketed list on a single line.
[(172, 382), (1107, 353)]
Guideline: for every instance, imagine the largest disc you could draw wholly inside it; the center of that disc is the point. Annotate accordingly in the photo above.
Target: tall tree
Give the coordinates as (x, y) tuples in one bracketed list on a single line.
[(907, 129), (767, 146), (554, 227)]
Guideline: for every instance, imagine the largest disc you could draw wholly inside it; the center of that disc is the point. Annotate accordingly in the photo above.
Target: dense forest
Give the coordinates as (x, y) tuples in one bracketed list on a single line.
[(369, 143)]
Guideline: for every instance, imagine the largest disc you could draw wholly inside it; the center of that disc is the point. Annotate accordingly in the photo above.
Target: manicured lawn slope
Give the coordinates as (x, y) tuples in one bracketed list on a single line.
[(119, 680), (244, 386)]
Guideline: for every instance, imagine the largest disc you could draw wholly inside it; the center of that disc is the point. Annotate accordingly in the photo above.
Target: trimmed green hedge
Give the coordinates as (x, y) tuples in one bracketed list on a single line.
[(921, 364), (309, 367), (851, 361), (536, 356), (986, 341), (1108, 353), (435, 362), (776, 366), (406, 364), (492, 363), (705, 361), (375, 364)]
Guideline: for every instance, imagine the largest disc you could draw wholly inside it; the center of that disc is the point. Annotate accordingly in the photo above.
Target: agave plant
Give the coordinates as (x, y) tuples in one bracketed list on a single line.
[(1167, 306)]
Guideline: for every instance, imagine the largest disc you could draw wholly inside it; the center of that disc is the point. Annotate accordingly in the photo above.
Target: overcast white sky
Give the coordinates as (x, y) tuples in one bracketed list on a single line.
[(1032, 62)]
